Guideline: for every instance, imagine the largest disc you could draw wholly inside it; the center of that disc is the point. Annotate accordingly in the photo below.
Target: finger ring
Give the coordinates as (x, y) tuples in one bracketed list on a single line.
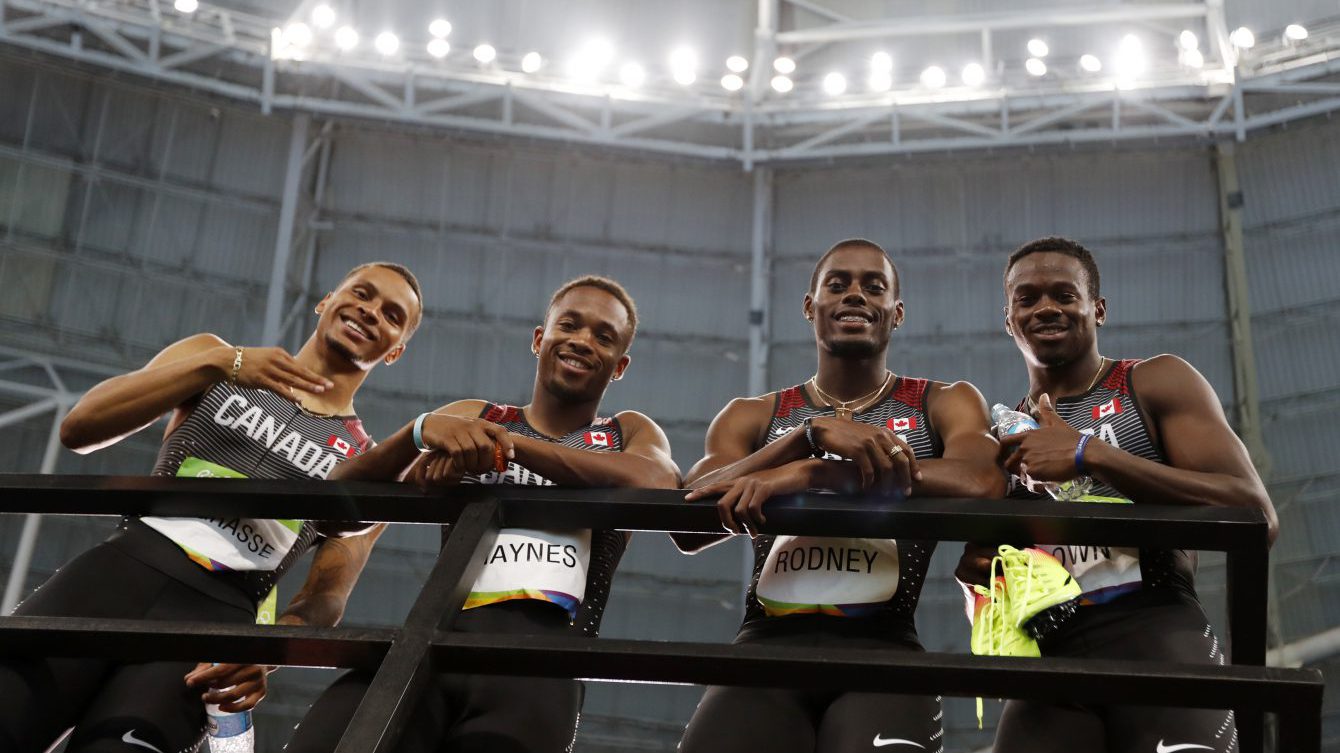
[(896, 449)]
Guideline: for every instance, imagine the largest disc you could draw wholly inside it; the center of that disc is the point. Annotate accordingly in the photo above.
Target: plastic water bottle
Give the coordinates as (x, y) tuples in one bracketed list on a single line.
[(1007, 421), (229, 732)]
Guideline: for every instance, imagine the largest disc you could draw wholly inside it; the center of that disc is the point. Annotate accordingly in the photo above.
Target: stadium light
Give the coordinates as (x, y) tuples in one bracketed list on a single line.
[(732, 82), (1038, 48), (1192, 58), (879, 81), (485, 54), (531, 62), (323, 16), (737, 64), (1035, 67), (782, 84), (933, 77), (835, 84), (591, 59), (346, 38), (973, 74), (784, 65), (186, 6), (1242, 38), (386, 43), (684, 65), (298, 35), (881, 62), (1130, 58), (1188, 40), (438, 47), (440, 28), (1295, 32), (1090, 63)]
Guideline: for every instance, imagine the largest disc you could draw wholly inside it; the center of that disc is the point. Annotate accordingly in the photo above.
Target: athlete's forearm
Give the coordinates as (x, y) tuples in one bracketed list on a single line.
[(334, 573), (126, 404), (794, 446), (567, 466), (1144, 480), (385, 462), (948, 477)]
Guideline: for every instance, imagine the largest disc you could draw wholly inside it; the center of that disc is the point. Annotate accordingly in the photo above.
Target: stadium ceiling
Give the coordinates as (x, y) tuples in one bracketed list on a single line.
[(1223, 90)]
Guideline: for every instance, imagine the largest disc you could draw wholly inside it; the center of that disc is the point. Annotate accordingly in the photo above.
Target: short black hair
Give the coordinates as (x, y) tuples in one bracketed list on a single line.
[(609, 286), (404, 272), (1055, 244), (854, 243)]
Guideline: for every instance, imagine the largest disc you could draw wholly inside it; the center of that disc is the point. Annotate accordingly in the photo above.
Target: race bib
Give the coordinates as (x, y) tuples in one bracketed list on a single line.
[(840, 577), (527, 564), (1103, 572), (227, 543)]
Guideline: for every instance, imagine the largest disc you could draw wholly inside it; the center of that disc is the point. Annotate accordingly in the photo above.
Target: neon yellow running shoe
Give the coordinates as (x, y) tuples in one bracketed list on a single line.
[(993, 633), (1041, 594)]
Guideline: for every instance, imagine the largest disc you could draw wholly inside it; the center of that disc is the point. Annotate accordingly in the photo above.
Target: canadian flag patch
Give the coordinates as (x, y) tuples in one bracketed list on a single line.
[(1110, 408), (598, 438), (344, 448), (903, 424)]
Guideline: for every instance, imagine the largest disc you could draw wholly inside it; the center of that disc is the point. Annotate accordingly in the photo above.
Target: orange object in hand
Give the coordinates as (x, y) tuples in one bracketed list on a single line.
[(499, 460)]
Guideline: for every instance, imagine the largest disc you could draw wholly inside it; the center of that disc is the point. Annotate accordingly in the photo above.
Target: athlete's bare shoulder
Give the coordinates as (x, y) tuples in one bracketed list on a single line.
[(1165, 379), (470, 408)]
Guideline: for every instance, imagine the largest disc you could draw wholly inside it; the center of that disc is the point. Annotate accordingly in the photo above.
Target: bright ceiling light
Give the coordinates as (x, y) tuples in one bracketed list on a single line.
[(835, 84), (531, 62), (1038, 48), (1188, 40), (737, 64), (1035, 67), (879, 81), (632, 75), (1295, 32), (1090, 63), (323, 16), (882, 62), (440, 27), (438, 47), (785, 66), (684, 65), (386, 43), (1130, 58), (485, 53), (973, 74), (782, 84), (1242, 38), (298, 34), (732, 82), (186, 6), (346, 38), (933, 77), (591, 59), (1192, 58)]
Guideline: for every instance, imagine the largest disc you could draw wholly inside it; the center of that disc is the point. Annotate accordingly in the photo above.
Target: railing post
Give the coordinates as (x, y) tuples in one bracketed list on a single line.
[(398, 686), (1247, 573)]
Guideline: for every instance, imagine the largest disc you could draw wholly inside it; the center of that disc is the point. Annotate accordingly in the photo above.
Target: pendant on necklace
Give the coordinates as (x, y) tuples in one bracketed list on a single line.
[(843, 413)]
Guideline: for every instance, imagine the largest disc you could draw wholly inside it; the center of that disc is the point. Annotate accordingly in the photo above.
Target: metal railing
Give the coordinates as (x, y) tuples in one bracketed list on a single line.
[(405, 658)]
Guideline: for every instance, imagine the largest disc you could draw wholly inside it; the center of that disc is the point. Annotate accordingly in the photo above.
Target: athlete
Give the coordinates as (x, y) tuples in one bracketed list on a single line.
[(533, 582), (902, 436), (235, 412), (1147, 431)]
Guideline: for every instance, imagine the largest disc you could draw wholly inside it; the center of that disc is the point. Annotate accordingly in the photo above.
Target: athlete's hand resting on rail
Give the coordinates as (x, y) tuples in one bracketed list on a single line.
[(742, 498), (1046, 453), (872, 449), (272, 369), (433, 470), (234, 687), (468, 442)]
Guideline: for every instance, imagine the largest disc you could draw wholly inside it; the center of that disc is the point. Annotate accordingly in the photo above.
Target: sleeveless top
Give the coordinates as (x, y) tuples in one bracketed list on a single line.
[(1111, 413), (844, 577), (572, 569), (238, 432)]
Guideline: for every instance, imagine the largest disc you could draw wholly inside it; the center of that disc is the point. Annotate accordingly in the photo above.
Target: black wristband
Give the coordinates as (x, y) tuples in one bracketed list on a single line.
[(815, 449)]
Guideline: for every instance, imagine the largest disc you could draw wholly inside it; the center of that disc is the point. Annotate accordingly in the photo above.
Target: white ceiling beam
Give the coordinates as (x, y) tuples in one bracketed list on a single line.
[(960, 23)]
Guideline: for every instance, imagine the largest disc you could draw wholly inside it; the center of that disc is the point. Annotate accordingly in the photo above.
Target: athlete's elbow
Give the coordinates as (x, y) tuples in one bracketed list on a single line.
[(989, 484), (75, 434)]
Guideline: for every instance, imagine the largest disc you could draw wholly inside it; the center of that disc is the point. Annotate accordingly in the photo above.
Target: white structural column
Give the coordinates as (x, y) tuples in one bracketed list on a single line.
[(760, 276), (23, 556), (1246, 400), (288, 211)]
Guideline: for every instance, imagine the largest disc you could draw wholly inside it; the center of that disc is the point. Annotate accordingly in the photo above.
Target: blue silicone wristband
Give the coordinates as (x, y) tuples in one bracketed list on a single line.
[(418, 432), (1079, 454)]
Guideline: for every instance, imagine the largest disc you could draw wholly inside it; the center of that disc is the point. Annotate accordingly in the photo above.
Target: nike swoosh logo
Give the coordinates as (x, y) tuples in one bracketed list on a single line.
[(881, 742), (1161, 748), (130, 738)]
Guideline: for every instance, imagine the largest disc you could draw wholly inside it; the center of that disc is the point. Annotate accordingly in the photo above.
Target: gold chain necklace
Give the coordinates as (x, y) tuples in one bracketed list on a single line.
[(843, 408), (1102, 365)]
